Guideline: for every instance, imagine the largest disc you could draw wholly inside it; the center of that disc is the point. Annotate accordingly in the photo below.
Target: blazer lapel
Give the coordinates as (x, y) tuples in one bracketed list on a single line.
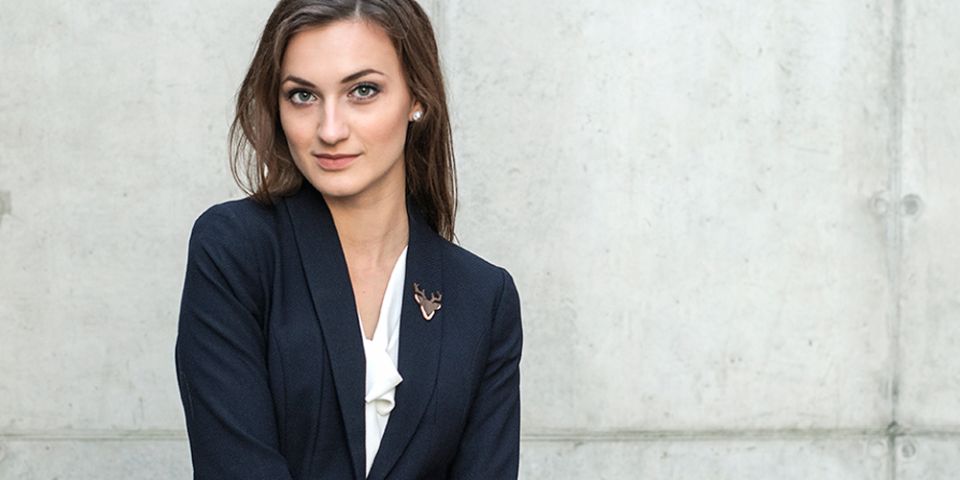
[(419, 353), (329, 282)]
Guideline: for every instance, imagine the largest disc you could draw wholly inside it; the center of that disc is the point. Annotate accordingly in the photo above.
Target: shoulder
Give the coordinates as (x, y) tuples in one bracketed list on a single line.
[(470, 272), (237, 233), (245, 217), (488, 292), (240, 227)]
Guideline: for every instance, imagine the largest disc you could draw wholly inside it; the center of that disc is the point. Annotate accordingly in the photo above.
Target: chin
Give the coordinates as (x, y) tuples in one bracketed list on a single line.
[(337, 188)]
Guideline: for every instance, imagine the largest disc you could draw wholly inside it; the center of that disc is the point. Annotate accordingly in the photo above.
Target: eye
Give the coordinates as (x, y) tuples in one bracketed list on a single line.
[(300, 97), (365, 91)]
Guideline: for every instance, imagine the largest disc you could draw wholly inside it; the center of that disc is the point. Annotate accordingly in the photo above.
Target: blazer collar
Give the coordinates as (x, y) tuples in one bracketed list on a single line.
[(332, 293)]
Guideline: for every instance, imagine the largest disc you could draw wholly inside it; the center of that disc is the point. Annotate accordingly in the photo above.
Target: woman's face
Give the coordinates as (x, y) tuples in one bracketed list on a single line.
[(344, 108)]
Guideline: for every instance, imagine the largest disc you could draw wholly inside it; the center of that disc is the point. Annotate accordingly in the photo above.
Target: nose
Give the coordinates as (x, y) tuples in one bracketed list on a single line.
[(333, 127)]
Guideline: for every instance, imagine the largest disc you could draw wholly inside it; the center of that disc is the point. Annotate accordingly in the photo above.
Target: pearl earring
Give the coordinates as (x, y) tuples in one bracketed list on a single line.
[(417, 115)]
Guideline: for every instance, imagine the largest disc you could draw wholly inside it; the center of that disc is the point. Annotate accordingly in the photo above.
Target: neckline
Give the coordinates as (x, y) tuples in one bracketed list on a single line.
[(388, 299)]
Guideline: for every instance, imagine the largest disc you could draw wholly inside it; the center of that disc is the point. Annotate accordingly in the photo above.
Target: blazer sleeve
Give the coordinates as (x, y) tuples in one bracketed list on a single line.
[(490, 445), (220, 357)]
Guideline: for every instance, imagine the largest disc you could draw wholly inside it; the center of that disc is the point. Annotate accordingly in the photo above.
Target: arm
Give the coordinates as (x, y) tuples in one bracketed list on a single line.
[(490, 445), (221, 357)]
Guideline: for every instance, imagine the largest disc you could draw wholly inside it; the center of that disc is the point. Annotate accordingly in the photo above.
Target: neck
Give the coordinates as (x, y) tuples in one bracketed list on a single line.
[(372, 230)]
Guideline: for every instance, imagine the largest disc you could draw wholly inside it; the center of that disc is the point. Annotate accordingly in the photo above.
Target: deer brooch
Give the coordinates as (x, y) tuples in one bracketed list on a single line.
[(428, 306)]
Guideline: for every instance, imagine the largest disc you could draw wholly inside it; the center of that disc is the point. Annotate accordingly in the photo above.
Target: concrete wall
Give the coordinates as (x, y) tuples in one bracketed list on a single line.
[(731, 224)]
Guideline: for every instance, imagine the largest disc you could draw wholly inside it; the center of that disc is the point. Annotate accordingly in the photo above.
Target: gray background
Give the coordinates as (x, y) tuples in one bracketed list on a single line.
[(729, 223)]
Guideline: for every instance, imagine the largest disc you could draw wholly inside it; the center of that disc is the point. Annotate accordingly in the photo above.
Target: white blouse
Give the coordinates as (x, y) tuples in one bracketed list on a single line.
[(381, 352)]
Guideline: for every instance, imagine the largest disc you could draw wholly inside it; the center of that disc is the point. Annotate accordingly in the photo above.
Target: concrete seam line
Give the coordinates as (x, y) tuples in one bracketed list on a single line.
[(108, 435), (895, 252)]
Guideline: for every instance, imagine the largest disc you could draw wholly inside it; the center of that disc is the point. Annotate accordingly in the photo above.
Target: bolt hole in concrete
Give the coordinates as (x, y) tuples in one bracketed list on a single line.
[(5, 208), (879, 204), (878, 449), (908, 450), (911, 205)]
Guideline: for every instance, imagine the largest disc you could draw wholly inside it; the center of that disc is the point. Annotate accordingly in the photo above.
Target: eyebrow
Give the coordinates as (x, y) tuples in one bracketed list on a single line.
[(347, 79)]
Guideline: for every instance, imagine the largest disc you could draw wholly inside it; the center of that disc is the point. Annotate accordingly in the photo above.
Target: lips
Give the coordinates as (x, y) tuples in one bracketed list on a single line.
[(329, 161)]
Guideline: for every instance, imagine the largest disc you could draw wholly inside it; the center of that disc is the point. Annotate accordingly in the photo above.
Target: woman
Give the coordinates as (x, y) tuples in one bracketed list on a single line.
[(328, 328)]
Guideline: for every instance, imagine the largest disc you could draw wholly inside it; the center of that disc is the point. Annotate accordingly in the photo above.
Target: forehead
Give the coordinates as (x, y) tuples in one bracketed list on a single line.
[(338, 49)]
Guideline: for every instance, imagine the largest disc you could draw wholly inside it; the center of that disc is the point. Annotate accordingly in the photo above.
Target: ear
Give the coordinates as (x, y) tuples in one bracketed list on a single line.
[(414, 108)]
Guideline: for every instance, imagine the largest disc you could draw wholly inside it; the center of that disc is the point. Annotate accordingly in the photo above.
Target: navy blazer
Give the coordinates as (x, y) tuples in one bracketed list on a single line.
[(270, 360)]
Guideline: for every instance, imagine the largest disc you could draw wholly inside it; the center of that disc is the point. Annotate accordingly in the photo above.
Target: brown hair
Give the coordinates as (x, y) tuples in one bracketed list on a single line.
[(261, 162)]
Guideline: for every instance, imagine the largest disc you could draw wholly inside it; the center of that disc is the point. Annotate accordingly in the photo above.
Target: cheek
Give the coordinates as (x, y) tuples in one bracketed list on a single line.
[(386, 131), (296, 127)]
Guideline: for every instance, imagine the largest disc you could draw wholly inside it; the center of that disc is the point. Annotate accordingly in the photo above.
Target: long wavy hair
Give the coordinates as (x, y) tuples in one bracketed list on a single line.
[(261, 162)]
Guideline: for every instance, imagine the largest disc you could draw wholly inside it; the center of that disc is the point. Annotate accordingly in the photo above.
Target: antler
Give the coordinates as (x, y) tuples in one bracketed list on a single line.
[(428, 306)]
